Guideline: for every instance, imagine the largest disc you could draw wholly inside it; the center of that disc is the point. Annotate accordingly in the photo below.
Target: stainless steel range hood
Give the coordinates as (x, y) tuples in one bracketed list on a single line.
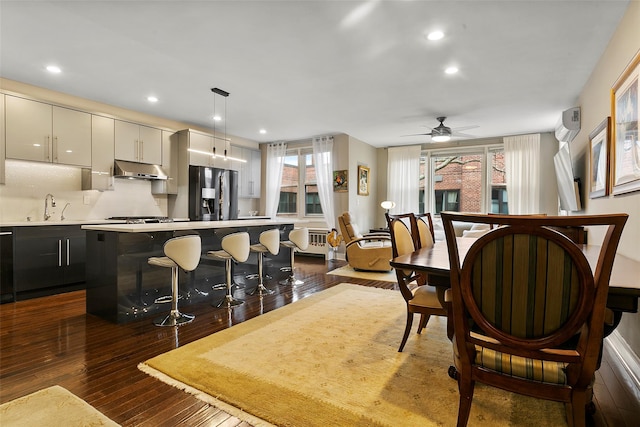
[(124, 169)]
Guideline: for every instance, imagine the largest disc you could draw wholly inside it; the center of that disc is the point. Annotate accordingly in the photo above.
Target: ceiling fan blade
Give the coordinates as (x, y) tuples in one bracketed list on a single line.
[(464, 128), (419, 134), (462, 135)]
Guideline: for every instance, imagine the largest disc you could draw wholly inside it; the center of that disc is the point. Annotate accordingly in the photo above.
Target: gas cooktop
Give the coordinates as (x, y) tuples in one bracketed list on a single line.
[(141, 219)]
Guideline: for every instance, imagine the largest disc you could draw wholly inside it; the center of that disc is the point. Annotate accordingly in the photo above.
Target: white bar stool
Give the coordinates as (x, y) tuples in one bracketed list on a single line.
[(269, 242), (298, 240), (183, 252), (235, 247)]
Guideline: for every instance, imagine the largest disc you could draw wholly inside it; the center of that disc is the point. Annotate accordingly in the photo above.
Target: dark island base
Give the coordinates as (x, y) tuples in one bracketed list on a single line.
[(122, 286)]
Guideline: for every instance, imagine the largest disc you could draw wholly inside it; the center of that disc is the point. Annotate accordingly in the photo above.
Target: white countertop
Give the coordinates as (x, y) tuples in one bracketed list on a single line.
[(58, 222), (192, 225)]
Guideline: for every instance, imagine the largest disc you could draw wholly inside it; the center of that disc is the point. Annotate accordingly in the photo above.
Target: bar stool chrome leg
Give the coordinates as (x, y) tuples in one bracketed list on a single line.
[(175, 317), (229, 300)]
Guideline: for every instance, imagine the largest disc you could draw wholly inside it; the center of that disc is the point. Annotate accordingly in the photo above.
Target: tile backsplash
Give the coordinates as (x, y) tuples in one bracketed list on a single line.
[(27, 184)]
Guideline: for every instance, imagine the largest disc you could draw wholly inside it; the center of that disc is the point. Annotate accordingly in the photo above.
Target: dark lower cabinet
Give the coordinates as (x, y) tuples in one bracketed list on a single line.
[(48, 259)]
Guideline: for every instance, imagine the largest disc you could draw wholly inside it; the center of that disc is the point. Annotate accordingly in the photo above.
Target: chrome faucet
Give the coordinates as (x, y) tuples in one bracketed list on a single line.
[(46, 206), (63, 209)]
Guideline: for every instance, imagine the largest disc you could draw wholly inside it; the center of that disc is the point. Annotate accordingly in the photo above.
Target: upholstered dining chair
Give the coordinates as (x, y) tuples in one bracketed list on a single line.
[(368, 252), (528, 309), (420, 297)]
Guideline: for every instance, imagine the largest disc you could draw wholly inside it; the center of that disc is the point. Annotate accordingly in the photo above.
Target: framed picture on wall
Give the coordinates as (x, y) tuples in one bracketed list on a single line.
[(625, 115), (363, 181), (340, 181), (599, 146)]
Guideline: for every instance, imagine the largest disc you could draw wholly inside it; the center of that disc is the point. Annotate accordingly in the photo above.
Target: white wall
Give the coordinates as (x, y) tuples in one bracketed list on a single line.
[(365, 209), (595, 103), (27, 184)]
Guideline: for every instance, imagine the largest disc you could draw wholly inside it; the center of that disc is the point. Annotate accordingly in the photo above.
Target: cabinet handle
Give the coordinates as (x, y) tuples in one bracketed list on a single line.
[(54, 149), (59, 253), (46, 147), (136, 149), (141, 150), (251, 188), (67, 252)]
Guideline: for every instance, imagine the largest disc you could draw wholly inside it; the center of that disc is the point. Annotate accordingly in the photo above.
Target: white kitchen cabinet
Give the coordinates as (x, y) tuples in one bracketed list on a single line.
[(138, 143), (71, 137), (203, 144), (100, 175), (2, 146), (46, 133), (249, 173), (169, 165)]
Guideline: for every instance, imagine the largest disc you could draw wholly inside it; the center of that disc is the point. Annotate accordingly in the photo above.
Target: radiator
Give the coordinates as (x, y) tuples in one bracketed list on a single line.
[(317, 242)]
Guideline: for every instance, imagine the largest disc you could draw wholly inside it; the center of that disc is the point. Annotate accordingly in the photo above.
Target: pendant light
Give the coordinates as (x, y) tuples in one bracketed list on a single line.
[(227, 146), (225, 94)]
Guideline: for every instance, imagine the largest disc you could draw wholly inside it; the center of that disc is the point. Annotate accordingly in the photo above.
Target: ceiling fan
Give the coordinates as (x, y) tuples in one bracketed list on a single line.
[(442, 133)]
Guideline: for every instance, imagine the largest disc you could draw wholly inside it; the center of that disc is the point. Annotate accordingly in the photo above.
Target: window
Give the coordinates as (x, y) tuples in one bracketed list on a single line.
[(498, 183), (447, 200), (465, 180), (299, 172), (289, 186)]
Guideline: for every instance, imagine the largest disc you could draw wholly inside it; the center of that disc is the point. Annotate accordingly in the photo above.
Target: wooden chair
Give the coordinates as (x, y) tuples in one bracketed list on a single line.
[(528, 311), (421, 298)]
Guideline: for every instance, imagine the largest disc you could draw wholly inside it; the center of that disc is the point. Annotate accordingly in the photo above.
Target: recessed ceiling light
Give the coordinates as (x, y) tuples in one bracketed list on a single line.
[(451, 70), (217, 118), (435, 35), (53, 69), (263, 131), (152, 99)]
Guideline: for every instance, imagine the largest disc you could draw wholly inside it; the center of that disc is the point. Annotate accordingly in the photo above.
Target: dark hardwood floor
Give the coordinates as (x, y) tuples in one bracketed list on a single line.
[(51, 340)]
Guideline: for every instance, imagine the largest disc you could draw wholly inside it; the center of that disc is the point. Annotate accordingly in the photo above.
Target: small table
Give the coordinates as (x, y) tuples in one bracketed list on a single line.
[(624, 284)]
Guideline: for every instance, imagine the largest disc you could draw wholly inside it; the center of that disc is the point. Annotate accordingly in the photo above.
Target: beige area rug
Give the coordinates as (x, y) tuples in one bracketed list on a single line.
[(331, 359), (348, 271), (53, 406)]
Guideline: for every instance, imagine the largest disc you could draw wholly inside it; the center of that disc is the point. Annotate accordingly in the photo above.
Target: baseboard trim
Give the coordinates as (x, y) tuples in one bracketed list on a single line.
[(628, 359)]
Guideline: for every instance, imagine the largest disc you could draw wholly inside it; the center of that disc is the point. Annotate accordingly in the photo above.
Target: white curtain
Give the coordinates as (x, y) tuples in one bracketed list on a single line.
[(522, 166), (322, 158), (275, 163), (403, 176)]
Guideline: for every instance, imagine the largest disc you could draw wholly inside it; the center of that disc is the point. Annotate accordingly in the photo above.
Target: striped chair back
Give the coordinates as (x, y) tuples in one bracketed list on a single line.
[(528, 286)]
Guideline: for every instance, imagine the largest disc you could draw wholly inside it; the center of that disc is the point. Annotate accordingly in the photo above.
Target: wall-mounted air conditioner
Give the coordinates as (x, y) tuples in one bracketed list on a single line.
[(569, 125)]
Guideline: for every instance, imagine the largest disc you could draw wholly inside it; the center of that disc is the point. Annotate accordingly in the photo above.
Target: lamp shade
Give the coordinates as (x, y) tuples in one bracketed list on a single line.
[(388, 204)]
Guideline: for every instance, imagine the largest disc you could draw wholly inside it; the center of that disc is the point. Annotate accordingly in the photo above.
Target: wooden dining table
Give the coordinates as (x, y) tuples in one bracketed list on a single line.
[(624, 285)]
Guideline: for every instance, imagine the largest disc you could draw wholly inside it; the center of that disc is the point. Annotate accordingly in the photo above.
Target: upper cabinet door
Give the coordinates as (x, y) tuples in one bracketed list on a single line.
[(204, 146), (127, 138), (102, 137), (150, 150), (71, 137), (137, 143), (28, 129)]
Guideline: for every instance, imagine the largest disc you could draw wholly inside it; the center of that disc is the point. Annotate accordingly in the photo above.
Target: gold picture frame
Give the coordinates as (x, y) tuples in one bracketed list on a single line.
[(363, 180), (599, 160), (625, 116)]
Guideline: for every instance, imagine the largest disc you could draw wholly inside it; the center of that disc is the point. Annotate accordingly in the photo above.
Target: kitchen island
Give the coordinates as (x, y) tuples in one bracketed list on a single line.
[(122, 286)]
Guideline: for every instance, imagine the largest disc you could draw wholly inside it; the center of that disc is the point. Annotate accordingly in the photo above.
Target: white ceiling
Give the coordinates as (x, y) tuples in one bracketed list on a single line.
[(304, 68)]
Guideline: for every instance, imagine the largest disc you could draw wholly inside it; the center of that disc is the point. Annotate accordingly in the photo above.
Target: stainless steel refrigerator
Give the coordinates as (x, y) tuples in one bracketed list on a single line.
[(213, 194)]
